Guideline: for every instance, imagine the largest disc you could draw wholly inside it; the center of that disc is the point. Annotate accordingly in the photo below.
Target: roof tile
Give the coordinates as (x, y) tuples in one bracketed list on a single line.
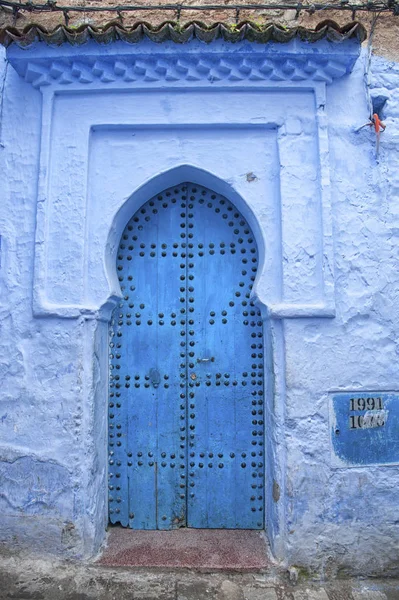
[(171, 31)]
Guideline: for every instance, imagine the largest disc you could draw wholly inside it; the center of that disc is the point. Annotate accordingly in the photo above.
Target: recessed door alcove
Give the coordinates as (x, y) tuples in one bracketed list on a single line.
[(186, 409)]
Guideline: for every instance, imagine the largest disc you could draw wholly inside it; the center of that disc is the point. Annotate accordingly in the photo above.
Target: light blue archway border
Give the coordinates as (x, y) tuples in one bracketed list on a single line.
[(90, 72)]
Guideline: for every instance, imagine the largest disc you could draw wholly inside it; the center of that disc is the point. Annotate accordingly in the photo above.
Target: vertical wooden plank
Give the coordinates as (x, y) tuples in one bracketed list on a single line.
[(141, 335), (117, 426), (170, 294)]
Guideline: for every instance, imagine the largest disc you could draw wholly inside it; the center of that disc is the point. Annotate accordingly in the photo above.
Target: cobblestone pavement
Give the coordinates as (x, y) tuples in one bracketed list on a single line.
[(24, 579)]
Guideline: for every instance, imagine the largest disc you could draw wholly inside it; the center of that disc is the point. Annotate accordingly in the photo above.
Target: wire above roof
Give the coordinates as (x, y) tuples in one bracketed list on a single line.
[(69, 11), (309, 7)]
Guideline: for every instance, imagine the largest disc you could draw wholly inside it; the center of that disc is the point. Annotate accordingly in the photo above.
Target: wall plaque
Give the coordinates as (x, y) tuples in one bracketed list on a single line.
[(364, 428)]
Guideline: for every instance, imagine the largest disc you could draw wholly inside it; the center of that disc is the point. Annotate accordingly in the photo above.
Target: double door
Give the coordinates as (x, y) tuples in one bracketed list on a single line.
[(186, 405)]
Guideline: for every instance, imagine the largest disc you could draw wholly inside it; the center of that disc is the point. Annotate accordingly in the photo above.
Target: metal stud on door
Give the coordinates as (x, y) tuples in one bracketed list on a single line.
[(186, 384)]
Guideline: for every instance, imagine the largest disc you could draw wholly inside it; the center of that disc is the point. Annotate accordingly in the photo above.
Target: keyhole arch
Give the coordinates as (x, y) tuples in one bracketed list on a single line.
[(134, 372), (156, 185)]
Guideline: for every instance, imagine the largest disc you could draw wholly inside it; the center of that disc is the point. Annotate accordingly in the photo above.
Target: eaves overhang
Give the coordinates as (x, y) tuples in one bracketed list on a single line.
[(148, 63)]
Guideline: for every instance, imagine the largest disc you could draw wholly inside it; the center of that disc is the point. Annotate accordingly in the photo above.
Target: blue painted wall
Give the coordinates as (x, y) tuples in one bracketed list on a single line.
[(55, 302)]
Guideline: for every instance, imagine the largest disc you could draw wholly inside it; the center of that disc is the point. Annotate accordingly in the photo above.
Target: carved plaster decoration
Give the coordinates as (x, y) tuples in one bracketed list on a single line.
[(175, 69), (243, 96)]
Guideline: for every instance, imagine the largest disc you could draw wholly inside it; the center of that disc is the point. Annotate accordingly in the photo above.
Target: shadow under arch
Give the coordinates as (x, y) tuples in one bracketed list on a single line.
[(156, 185)]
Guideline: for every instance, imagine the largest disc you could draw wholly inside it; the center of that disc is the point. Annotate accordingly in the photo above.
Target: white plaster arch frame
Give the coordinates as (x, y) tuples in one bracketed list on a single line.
[(86, 89), (117, 128)]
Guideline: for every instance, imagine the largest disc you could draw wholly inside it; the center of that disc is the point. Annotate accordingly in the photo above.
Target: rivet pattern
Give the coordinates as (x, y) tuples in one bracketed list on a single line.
[(186, 422)]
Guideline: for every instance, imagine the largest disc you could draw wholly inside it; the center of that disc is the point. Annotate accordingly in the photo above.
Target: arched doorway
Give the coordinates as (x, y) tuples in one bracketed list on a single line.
[(186, 409)]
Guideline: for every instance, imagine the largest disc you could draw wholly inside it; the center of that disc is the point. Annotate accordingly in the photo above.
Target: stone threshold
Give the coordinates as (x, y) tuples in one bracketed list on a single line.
[(198, 549)]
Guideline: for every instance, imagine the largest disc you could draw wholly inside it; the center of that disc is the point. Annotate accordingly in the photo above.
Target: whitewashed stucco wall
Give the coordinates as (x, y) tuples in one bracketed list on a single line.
[(53, 394)]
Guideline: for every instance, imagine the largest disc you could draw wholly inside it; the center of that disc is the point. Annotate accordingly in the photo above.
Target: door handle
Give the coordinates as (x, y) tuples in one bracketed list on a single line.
[(155, 377), (203, 360)]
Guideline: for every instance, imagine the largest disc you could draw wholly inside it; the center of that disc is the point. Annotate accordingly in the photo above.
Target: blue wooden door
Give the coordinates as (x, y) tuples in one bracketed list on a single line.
[(186, 422)]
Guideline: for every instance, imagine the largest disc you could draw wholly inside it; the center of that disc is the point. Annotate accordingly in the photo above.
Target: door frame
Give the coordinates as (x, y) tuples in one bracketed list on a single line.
[(272, 333)]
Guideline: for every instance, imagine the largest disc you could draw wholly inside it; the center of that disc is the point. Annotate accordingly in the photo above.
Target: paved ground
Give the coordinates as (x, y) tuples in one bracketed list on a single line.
[(24, 579)]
